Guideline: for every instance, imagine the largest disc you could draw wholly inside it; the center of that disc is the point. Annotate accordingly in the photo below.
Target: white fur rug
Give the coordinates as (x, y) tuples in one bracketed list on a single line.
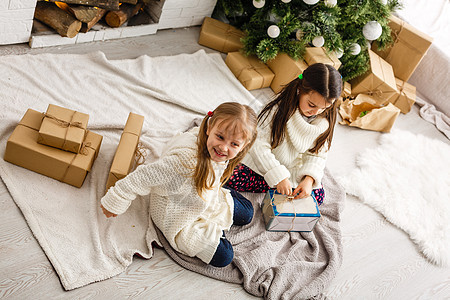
[(407, 179)]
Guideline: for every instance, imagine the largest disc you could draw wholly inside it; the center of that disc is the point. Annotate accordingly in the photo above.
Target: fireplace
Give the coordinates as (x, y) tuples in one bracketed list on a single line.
[(17, 24)]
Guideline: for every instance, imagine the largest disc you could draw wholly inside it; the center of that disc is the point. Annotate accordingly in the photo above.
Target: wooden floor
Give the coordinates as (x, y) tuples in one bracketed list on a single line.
[(380, 261)]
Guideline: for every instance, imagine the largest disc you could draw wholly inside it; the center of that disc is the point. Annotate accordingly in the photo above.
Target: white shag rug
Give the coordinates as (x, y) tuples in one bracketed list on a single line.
[(407, 179)]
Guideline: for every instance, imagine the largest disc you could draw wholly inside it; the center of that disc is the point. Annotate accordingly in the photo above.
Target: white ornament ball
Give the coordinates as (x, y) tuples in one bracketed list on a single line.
[(355, 49), (285, 1), (318, 41), (372, 30), (273, 31), (311, 2), (330, 3), (259, 4), (384, 2), (339, 52), (299, 34)]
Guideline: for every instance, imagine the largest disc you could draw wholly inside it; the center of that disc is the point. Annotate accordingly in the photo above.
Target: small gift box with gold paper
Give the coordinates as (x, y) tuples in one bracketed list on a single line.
[(63, 128), (220, 36), (315, 55), (22, 149), (285, 69), (249, 70), (378, 81), (127, 151), (406, 96), (282, 213), (409, 47), (366, 113)]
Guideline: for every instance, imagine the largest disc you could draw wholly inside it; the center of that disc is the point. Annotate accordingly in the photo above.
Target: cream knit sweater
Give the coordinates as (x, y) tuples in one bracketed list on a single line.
[(192, 226), (291, 159)]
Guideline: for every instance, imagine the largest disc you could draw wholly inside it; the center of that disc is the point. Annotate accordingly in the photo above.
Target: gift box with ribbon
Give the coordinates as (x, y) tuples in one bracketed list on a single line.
[(378, 81), (128, 154), (406, 96), (22, 149), (249, 70), (315, 55), (366, 113), (285, 69), (283, 213), (409, 47), (220, 36), (63, 128)]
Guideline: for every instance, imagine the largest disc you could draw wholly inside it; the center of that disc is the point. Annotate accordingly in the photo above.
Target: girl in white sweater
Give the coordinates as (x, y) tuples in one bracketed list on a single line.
[(294, 134), (187, 201)]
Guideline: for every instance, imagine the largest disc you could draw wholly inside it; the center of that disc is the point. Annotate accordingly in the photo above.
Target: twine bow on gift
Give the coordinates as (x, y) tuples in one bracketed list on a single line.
[(140, 155), (274, 203), (63, 123), (251, 67)]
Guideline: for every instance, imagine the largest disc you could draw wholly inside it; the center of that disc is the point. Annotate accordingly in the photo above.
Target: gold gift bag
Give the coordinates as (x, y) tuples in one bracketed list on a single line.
[(364, 112)]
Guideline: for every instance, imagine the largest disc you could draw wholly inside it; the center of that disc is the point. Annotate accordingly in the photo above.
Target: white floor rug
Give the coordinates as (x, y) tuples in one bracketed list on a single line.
[(82, 245), (407, 179)]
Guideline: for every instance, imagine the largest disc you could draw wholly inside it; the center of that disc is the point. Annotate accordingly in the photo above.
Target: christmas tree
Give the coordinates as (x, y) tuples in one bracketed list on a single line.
[(345, 27)]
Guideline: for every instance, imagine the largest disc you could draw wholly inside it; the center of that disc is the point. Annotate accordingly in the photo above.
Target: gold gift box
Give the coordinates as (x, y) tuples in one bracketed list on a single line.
[(249, 70), (406, 96), (364, 112), (220, 36), (125, 155), (378, 81), (22, 149), (315, 55), (285, 69), (63, 128), (409, 47)]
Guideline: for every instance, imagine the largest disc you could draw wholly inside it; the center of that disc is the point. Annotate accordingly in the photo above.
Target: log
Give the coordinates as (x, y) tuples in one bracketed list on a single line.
[(83, 13), (106, 4), (64, 23), (85, 27), (129, 1), (126, 11)]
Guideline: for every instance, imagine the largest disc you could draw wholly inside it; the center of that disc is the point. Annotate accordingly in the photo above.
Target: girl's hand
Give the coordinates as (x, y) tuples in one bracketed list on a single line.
[(284, 187), (304, 188), (107, 213)]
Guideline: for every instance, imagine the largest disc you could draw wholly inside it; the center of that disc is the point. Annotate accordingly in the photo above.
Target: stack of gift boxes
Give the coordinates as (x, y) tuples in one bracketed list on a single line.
[(383, 87), (58, 144)]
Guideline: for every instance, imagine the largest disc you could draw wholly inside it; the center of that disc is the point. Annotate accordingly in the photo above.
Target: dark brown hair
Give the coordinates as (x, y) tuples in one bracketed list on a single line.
[(321, 78), (238, 118)]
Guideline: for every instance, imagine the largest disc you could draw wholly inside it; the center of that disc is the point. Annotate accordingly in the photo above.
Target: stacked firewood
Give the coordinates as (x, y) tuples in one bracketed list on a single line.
[(68, 17)]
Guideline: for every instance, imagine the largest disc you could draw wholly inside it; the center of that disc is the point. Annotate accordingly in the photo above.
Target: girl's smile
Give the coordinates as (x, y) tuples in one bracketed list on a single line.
[(222, 145)]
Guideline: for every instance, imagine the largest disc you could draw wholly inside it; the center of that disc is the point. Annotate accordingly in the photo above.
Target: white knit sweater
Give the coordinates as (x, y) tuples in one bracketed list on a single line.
[(192, 226), (291, 159)]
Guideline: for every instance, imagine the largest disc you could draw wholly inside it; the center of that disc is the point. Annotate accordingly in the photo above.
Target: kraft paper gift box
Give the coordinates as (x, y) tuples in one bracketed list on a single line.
[(22, 149), (63, 128), (378, 81), (125, 156), (406, 96), (249, 70), (409, 47), (220, 36), (283, 214), (285, 69), (315, 55), (364, 112)]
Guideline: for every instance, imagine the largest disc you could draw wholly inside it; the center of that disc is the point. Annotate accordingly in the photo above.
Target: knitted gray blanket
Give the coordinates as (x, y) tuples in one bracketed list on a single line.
[(281, 265)]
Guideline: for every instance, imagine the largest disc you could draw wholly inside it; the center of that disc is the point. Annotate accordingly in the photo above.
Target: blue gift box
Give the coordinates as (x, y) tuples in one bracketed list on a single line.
[(282, 213)]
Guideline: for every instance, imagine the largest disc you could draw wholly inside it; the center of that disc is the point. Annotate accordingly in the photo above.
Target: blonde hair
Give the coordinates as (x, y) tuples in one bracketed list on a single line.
[(239, 119)]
